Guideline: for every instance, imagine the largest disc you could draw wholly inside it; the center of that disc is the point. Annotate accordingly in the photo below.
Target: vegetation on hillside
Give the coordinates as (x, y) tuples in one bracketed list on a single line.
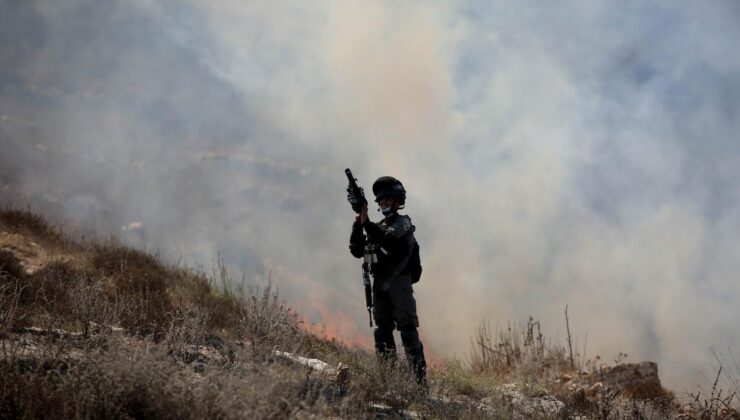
[(103, 330)]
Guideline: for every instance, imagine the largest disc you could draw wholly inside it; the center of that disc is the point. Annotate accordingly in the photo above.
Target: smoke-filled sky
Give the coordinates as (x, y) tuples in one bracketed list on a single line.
[(580, 152)]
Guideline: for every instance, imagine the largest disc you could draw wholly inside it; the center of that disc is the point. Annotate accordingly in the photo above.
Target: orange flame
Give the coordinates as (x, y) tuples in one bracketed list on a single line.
[(338, 326), (319, 311), (334, 325)]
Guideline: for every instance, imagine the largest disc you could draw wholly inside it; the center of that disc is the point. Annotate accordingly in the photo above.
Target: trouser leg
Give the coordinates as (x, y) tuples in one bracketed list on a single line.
[(385, 345), (404, 313), (397, 308), (414, 350)]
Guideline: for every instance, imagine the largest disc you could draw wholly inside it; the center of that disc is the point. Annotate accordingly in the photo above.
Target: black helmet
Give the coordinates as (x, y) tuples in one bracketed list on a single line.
[(387, 186)]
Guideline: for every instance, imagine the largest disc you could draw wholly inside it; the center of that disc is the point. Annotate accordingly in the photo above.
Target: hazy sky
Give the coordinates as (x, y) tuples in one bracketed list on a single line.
[(582, 153)]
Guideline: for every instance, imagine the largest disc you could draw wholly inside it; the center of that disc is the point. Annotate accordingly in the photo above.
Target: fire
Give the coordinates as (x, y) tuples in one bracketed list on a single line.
[(334, 325), (337, 325), (318, 307), (434, 359), (331, 314)]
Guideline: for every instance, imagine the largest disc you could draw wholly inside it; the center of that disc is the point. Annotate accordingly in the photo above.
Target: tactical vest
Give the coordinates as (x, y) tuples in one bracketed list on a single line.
[(411, 263)]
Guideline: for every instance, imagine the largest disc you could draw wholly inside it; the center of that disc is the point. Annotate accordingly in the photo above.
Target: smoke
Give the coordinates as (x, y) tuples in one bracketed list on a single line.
[(582, 154)]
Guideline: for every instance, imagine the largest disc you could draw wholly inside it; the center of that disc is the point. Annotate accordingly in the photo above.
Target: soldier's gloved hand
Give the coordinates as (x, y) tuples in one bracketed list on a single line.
[(353, 199)]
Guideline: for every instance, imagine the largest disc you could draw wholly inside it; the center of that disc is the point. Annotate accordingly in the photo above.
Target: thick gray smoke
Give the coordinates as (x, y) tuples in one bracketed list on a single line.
[(584, 153)]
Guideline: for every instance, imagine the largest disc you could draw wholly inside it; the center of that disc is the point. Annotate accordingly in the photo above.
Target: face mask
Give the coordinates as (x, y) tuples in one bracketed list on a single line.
[(387, 211)]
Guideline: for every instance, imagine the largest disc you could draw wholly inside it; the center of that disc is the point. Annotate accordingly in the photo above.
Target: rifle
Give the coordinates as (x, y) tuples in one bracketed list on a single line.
[(368, 290), (356, 198)]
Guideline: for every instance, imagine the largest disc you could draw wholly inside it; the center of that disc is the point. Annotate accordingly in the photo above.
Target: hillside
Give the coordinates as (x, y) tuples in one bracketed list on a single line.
[(95, 330)]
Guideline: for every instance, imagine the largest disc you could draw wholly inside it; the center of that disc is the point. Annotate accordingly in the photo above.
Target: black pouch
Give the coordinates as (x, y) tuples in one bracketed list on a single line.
[(414, 264)]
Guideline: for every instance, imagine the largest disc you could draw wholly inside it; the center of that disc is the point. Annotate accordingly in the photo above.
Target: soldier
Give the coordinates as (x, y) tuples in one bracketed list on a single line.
[(397, 266)]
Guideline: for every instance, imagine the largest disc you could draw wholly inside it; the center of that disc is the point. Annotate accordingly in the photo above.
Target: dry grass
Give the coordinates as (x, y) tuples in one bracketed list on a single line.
[(518, 351), (178, 358), (27, 221), (461, 380), (113, 377), (10, 293), (522, 356), (138, 284), (196, 346), (11, 290), (61, 296)]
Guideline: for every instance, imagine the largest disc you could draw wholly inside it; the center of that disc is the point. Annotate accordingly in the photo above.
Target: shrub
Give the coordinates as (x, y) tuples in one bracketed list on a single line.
[(139, 286), (27, 221), (117, 378)]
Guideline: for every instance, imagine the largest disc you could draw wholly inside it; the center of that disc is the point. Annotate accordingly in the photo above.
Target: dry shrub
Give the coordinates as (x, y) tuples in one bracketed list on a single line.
[(12, 288), (139, 286), (721, 402), (189, 340), (329, 350), (194, 291), (148, 293), (60, 295), (391, 383), (188, 327), (728, 380), (611, 404), (119, 379), (113, 258), (92, 305), (10, 293), (268, 322), (24, 220), (458, 380), (51, 286), (518, 350), (378, 379)]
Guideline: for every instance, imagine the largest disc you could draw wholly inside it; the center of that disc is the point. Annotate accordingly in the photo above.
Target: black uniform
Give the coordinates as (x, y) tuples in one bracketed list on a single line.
[(394, 305)]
